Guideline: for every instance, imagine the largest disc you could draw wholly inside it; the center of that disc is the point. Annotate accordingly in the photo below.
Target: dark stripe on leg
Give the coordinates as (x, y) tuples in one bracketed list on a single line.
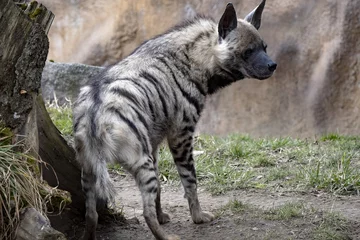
[(191, 180), (152, 189), (150, 180)]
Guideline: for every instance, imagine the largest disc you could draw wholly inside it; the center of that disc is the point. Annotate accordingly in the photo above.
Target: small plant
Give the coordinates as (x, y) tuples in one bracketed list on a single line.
[(332, 227), (286, 211), (263, 161), (234, 206), (330, 137), (279, 143), (237, 151)]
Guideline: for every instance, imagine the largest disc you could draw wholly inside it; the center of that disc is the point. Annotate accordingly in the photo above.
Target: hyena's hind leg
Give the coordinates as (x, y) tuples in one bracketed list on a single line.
[(181, 149), (88, 182), (147, 180), (96, 184), (161, 216)]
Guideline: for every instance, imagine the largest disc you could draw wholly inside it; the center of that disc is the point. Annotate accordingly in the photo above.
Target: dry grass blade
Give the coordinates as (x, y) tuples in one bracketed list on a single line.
[(20, 187)]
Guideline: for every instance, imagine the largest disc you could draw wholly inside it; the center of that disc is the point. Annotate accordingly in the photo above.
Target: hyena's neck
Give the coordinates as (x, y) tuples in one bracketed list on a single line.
[(200, 43)]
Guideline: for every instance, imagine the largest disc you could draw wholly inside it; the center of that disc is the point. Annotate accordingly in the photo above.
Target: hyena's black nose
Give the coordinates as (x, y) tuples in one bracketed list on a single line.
[(272, 66)]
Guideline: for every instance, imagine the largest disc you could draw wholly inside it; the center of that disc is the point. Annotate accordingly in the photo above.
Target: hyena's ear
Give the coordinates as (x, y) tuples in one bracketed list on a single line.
[(228, 21), (255, 16)]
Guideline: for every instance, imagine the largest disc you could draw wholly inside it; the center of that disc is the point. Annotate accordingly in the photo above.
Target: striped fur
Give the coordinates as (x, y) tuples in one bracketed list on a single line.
[(157, 93)]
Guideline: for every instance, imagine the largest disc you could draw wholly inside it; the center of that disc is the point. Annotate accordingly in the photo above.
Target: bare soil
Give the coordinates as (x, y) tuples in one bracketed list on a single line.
[(248, 224)]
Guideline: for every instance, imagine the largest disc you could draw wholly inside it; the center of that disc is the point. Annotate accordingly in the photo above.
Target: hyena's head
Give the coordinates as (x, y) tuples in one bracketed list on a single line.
[(245, 50)]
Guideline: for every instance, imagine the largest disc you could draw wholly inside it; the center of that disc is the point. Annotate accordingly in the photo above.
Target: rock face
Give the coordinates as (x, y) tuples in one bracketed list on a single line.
[(315, 90)]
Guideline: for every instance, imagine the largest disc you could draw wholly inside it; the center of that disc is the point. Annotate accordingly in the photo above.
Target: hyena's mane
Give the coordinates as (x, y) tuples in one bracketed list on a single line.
[(177, 28), (188, 22)]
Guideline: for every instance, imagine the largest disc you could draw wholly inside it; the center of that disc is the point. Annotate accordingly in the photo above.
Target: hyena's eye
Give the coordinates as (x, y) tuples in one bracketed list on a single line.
[(248, 53), (265, 47)]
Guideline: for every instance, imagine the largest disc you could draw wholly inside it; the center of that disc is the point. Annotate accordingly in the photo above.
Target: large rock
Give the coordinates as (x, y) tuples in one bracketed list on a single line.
[(315, 90), (61, 81), (34, 226)]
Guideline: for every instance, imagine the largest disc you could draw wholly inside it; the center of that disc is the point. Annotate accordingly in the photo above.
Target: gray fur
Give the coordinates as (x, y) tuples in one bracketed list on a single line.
[(159, 92)]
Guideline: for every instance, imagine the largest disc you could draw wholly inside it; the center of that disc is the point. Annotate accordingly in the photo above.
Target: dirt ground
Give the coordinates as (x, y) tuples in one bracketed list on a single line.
[(248, 224)]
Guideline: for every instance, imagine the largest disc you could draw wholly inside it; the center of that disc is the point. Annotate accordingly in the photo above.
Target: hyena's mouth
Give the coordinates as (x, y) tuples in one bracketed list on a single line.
[(263, 77), (260, 76)]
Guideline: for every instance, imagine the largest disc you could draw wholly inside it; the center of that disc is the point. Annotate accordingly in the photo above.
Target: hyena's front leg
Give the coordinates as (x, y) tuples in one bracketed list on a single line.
[(161, 216), (181, 149)]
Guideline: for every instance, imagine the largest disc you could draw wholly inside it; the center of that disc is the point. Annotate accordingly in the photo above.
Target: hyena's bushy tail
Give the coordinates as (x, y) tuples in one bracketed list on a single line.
[(95, 178)]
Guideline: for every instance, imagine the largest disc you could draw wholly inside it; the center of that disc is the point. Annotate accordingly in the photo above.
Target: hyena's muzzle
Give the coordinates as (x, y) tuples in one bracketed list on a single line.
[(260, 65)]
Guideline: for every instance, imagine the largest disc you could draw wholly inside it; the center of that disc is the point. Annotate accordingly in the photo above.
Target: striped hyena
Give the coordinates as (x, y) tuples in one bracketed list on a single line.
[(159, 92)]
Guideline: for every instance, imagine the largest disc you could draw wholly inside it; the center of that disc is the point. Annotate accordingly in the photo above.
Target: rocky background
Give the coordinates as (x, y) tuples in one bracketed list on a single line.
[(315, 90)]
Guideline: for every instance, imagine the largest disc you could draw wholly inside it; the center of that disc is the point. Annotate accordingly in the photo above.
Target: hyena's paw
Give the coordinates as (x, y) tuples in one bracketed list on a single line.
[(163, 218), (173, 237), (203, 217)]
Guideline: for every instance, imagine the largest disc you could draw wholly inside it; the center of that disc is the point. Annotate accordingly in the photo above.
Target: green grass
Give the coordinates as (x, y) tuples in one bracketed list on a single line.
[(287, 211), (240, 162), (330, 163), (62, 118), (332, 227), (322, 225), (233, 206), (302, 221)]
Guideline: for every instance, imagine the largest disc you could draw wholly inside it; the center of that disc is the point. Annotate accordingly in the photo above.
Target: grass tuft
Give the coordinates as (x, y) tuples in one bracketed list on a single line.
[(286, 211), (235, 206), (62, 118), (340, 178), (20, 187), (332, 227), (330, 137)]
